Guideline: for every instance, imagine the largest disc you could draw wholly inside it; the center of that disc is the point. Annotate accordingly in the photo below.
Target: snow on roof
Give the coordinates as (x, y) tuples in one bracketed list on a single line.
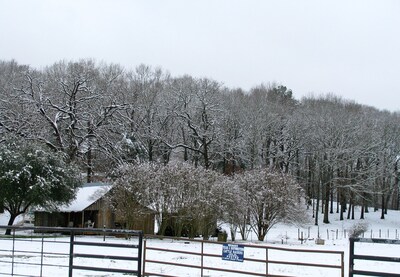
[(86, 196)]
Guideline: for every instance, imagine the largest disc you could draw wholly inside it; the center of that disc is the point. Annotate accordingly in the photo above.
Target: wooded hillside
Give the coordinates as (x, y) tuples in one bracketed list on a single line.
[(104, 115)]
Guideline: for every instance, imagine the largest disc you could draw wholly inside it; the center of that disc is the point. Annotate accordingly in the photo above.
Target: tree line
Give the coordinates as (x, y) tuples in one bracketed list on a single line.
[(102, 116)]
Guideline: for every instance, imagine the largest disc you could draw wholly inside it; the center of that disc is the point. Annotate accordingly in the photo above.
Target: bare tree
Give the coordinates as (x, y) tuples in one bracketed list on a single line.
[(72, 105)]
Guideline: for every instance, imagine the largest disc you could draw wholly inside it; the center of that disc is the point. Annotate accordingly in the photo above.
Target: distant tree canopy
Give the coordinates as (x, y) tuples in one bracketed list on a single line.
[(102, 116), (31, 176)]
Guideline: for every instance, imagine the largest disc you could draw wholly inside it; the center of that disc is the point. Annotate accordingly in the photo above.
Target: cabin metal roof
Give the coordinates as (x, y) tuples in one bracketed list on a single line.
[(86, 196)]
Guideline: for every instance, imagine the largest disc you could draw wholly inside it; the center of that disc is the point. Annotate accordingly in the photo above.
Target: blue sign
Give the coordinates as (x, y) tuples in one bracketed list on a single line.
[(232, 252)]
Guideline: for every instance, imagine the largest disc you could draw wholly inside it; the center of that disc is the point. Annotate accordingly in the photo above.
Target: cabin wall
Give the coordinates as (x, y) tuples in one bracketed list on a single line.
[(46, 219), (143, 222)]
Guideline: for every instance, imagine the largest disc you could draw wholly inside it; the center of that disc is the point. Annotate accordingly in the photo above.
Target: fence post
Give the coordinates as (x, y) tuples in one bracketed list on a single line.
[(71, 253), (144, 256), (41, 257), (266, 261), (202, 258), (342, 261), (13, 254), (351, 257), (140, 257)]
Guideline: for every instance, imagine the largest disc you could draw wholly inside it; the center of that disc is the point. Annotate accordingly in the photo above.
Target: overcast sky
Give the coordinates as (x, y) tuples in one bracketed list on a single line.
[(345, 47)]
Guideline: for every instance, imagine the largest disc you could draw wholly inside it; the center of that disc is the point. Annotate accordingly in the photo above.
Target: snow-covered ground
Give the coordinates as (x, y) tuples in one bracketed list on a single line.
[(335, 235)]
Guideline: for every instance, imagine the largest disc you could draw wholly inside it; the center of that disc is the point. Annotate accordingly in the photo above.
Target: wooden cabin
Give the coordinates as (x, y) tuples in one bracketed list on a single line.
[(90, 210)]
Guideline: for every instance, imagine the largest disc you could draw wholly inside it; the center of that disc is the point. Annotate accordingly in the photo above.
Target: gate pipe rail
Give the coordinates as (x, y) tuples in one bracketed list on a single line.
[(72, 252), (353, 257), (265, 261)]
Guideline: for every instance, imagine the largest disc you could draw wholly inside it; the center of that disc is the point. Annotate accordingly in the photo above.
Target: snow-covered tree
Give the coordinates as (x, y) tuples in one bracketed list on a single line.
[(183, 196), (71, 107), (267, 199), (14, 115), (197, 106), (231, 154), (31, 176)]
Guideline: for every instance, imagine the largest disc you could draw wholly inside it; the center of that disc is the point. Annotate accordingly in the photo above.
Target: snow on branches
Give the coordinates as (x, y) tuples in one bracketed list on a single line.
[(190, 200)]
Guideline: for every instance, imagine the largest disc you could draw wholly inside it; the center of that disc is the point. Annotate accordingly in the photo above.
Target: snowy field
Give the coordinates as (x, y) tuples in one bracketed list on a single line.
[(335, 235)]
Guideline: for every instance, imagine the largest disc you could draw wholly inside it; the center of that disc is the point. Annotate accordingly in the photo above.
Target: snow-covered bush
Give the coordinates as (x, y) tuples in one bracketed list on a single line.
[(261, 198), (186, 199), (358, 229)]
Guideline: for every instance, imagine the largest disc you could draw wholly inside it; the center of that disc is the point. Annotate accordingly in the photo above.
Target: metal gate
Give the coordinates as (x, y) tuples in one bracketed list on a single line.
[(50, 251), (375, 258), (259, 256)]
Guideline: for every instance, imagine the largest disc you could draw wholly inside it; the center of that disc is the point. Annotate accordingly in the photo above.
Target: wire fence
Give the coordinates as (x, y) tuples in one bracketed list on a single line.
[(336, 234)]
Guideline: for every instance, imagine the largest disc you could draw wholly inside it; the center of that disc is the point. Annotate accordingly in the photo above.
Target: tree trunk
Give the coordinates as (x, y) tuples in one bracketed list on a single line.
[(10, 222), (260, 232), (150, 150), (267, 153), (242, 230), (342, 210), (233, 228), (362, 212), (298, 171), (326, 203), (383, 207), (89, 165), (89, 157), (205, 154), (387, 202), (365, 202), (317, 204), (375, 199), (343, 204), (310, 191), (349, 210)]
